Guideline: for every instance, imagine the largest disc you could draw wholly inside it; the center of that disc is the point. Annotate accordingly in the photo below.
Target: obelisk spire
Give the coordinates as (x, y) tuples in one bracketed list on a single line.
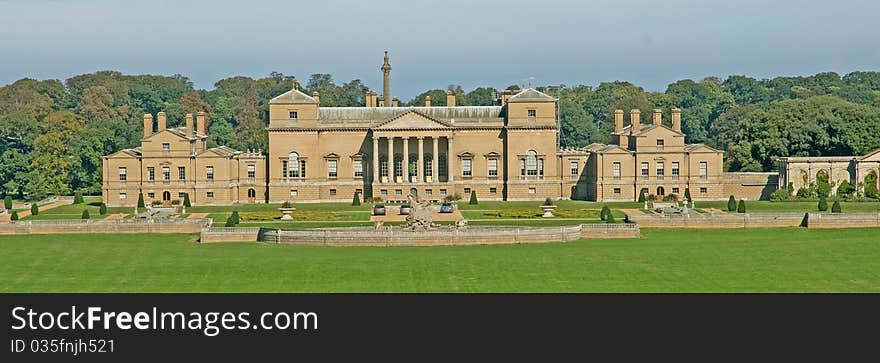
[(386, 80)]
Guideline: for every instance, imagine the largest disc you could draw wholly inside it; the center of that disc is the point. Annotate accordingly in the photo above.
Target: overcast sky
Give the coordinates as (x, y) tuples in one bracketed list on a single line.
[(433, 44)]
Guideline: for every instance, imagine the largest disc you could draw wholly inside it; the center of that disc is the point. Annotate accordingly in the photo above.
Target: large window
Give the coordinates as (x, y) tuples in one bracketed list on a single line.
[(123, 174), (332, 172), (703, 169), (296, 166), (615, 170), (573, 165), (209, 173), (644, 170), (429, 168), (661, 170), (466, 167), (358, 168), (166, 173), (398, 165), (181, 173), (532, 163), (493, 167), (151, 173), (251, 171), (383, 167), (675, 170), (441, 167)]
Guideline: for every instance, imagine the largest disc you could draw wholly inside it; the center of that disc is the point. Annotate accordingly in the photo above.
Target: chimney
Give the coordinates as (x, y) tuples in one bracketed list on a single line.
[(161, 121), (657, 117), (634, 120), (427, 101), (202, 122), (505, 95), (676, 119), (316, 97), (618, 120), (368, 99), (382, 102), (148, 125), (450, 99), (395, 102), (375, 99), (189, 125)]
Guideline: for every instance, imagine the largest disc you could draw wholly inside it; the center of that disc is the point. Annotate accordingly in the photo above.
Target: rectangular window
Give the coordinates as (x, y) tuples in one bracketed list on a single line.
[(467, 190), (209, 173), (660, 144), (383, 166), (332, 191), (181, 173), (533, 113), (151, 173), (617, 191), (302, 168), (398, 167), (493, 167), (644, 170), (210, 194), (251, 171), (704, 190), (675, 190), (615, 169), (331, 168), (441, 169), (283, 168), (429, 191), (541, 167), (359, 192), (122, 196), (661, 169), (532, 190), (383, 192), (573, 165), (293, 115), (429, 171), (522, 167), (181, 195), (358, 168), (123, 174), (398, 192), (166, 147), (703, 169), (466, 165), (675, 169), (493, 190), (442, 191), (151, 195), (294, 193), (166, 173)]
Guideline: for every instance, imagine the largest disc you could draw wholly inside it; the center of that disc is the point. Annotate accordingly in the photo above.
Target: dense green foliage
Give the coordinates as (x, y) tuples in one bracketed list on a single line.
[(741, 208), (56, 132), (35, 210), (7, 202), (85, 214), (77, 198), (140, 200), (186, 201), (356, 200), (14, 216), (687, 195), (473, 200), (731, 204), (823, 204), (641, 196), (603, 215), (102, 208), (835, 208)]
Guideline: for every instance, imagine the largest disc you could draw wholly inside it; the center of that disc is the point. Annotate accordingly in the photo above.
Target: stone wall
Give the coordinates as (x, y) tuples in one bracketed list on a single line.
[(719, 221), (230, 234), (102, 226), (750, 186), (844, 220)]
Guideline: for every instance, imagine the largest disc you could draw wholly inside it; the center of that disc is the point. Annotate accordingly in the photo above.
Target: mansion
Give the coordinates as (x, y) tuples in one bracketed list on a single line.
[(508, 151)]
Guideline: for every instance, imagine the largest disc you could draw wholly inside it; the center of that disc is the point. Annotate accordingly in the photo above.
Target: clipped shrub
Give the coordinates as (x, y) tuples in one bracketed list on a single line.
[(609, 218), (356, 200), (230, 222), (78, 198), (642, 196), (835, 208), (236, 219), (186, 202), (287, 204), (780, 195), (35, 209), (823, 204), (103, 209), (7, 202), (473, 198), (603, 215), (548, 201), (741, 208), (687, 195), (845, 189), (140, 200), (85, 214), (14, 216), (731, 204)]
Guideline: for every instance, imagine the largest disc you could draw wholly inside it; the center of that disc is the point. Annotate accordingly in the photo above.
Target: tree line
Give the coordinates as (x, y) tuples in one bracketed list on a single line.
[(53, 133)]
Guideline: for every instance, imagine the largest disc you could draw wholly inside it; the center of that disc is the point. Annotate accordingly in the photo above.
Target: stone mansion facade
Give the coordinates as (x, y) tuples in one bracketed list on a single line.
[(509, 151)]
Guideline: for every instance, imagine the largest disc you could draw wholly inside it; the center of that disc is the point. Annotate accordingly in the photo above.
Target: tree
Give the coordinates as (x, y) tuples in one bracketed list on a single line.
[(835, 208), (356, 200), (229, 222), (731, 204), (845, 189), (14, 216), (85, 214), (473, 197), (741, 208), (871, 185), (603, 215), (78, 198), (35, 210), (823, 203), (186, 202), (103, 208), (687, 195), (235, 217), (140, 200), (7, 202)]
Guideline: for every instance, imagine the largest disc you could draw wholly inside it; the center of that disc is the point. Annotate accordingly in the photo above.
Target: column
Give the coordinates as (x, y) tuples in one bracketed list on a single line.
[(390, 159), (435, 177), (376, 176), (450, 160), (421, 164), (405, 165)]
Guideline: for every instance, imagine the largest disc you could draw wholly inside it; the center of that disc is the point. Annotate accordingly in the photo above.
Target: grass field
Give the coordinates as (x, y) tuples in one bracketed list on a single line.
[(745, 260)]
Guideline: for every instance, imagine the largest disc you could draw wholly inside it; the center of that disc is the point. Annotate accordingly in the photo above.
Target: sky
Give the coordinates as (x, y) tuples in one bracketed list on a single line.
[(434, 44)]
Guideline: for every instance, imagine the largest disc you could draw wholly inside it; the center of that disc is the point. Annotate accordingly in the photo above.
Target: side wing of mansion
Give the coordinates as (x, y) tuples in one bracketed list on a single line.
[(508, 151)]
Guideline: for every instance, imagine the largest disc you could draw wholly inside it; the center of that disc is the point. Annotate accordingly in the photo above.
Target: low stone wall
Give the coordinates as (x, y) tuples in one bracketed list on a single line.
[(440, 237), (843, 220), (719, 221), (229, 234), (103, 226), (625, 230)]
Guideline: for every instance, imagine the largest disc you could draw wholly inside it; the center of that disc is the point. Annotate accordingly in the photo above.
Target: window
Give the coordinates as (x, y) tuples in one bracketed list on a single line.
[(466, 165), (493, 167), (181, 195), (467, 190), (296, 166), (532, 163), (522, 167), (573, 165), (209, 173), (166, 147), (251, 171), (294, 193), (331, 168), (429, 191), (429, 171), (332, 191), (615, 169), (151, 195), (210, 194), (122, 196), (661, 169), (181, 173), (358, 168), (675, 171), (383, 167), (151, 173), (532, 190), (293, 115), (675, 190), (533, 114), (166, 173), (383, 192), (541, 167), (441, 168), (645, 191), (123, 174), (644, 170), (442, 191), (493, 190), (398, 165), (359, 192), (617, 191), (703, 168), (660, 144), (398, 192), (704, 190)]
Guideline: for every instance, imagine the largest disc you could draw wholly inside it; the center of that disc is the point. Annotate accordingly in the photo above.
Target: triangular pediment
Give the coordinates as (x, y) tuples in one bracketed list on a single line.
[(871, 156), (412, 120)]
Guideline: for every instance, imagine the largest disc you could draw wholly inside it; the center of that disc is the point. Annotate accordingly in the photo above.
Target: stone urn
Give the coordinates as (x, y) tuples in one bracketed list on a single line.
[(548, 210), (286, 209)]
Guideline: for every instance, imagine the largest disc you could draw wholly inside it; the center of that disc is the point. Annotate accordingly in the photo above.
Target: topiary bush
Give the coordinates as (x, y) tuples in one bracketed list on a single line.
[(835, 208), (103, 209), (687, 195), (603, 215), (85, 214), (641, 196), (230, 222), (823, 204), (14, 216), (7, 202), (356, 200), (473, 200), (78, 198), (186, 202), (35, 209), (731, 204), (140, 200), (741, 208), (548, 201), (236, 219), (609, 218)]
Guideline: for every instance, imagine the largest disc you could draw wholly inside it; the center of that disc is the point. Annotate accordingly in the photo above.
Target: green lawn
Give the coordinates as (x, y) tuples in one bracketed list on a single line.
[(784, 259), (762, 206), (72, 211)]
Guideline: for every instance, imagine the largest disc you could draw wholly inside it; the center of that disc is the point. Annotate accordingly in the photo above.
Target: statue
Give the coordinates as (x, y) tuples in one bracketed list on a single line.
[(420, 218)]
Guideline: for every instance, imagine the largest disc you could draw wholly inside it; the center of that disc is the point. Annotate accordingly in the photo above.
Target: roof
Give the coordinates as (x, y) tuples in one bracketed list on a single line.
[(369, 116), (650, 127), (692, 147), (293, 96), (181, 131), (530, 95), (225, 151)]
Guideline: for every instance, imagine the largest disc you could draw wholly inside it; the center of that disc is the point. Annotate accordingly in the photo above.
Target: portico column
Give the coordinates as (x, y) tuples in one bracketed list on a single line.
[(435, 176), (375, 156), (450, 160), (390, 158), (405, 165), (421, 164)]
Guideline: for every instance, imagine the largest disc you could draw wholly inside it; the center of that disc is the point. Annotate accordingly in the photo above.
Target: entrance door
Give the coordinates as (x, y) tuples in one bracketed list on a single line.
[(660, 191), (252, 195), (166, 198)]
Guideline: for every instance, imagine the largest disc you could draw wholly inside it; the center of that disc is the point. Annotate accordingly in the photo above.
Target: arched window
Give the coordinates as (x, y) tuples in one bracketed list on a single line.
[(661, 191), (532, 163), (296, 166)]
